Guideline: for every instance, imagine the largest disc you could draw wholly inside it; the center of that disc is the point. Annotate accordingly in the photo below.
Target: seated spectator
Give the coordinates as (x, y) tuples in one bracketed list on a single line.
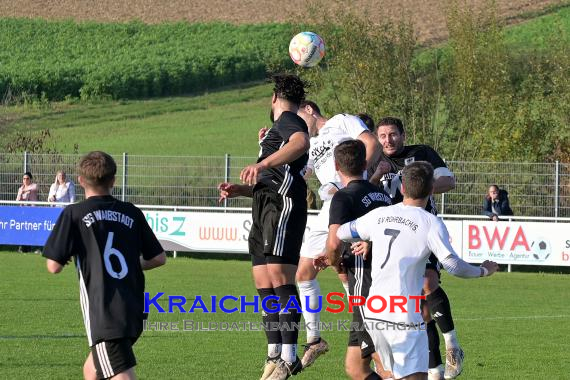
[(496, 203), (62, 190), (29, 190)]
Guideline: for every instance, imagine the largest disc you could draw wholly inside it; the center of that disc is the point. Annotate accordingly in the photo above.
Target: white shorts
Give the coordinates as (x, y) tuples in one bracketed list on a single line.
[(403, 350), (318, 231)]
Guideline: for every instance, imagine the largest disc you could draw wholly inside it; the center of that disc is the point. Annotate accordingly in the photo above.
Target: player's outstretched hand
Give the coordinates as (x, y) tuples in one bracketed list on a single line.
[(321, 262), (490, 266), (360, 248), (228, 190), (249, 174)]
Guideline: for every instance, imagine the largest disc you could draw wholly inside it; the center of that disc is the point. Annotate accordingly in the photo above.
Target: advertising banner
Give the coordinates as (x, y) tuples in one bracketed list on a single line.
[(517, 243), (201, 231), (523, 243), (24, 225)]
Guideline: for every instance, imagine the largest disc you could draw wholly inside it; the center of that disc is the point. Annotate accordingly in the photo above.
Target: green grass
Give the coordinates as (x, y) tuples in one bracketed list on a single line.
[(212, 124), (537, 32), (533, 35), (216, 123), (58, 59), (511, 326)]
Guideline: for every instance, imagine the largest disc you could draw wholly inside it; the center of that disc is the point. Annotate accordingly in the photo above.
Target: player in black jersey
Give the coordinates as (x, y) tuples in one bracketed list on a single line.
[(279, 214), (112, 244), (356, 198), (395, 156)]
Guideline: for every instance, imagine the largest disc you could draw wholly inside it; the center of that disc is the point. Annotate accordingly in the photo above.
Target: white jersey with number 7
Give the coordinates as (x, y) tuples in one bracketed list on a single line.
[(402, 238)]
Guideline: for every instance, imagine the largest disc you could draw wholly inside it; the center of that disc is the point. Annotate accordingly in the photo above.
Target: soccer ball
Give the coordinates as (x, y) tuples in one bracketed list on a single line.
[(307, 49), (541, 249)]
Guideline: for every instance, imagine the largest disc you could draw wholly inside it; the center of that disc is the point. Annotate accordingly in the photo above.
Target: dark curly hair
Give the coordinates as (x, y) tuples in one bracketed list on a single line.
[(289, 87), (368, 120)]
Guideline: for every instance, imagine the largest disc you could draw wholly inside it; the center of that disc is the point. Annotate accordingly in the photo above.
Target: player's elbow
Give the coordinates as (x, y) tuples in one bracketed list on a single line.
[(54, 267), (155, 262), (306, 143), (444, 184), (161, 259), (451, 183)]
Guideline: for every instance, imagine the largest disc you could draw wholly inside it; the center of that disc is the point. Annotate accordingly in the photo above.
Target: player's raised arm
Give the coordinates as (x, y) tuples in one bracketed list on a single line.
[(373, 148), (438, 243), (444, 179), (354, 231)]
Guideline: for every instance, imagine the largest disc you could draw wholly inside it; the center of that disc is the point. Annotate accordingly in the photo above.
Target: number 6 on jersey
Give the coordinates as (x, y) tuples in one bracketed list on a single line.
[(109, 250)]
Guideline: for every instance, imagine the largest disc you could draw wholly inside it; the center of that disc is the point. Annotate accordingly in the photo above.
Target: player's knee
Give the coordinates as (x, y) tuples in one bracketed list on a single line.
[(305, 271), (353, 369), (89, 372)]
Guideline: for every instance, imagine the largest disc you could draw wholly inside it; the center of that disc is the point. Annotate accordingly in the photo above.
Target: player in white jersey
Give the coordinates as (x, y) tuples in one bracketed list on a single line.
[(437, 308), (404, 236), (325, 134)]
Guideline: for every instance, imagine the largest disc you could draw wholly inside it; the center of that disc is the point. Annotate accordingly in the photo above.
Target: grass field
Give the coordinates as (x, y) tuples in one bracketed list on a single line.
[(511, 326), (211, 124)]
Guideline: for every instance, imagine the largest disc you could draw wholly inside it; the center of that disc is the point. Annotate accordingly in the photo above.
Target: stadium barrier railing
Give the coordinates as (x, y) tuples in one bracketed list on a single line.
[(535, 189)]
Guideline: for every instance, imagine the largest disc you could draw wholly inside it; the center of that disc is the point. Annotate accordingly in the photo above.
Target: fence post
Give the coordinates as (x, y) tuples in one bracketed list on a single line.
[(443, 203), (557, 186), (124, 179), (26, 157), (226, 176)]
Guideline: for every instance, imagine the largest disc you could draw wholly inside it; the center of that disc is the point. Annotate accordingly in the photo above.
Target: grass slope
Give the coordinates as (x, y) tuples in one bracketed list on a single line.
[(511, 326), (211, 124), (216, 123)]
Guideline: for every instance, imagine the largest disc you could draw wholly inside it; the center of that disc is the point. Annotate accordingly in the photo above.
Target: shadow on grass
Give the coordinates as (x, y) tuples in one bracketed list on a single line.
[(213, 256)]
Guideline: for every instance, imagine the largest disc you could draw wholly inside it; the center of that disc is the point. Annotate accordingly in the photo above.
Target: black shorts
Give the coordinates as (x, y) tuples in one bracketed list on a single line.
[(278, 227), (358, 336), (359, 280), (433, 263), (113, 357)]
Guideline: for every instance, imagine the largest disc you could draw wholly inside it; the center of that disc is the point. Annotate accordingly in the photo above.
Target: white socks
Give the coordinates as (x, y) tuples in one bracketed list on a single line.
[(450, 340), (312, 290), (289, 352), (273, 349)]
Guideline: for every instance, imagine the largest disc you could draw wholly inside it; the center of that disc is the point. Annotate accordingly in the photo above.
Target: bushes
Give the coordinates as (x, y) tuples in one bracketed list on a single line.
[(479, 97), (134, 60)]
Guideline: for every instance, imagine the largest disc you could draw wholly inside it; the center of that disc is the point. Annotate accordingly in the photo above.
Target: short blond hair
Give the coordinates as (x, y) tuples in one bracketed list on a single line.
[(97, 169)]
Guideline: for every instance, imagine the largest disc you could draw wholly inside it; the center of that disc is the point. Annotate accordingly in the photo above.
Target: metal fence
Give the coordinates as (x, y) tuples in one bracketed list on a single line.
[(535, 189)]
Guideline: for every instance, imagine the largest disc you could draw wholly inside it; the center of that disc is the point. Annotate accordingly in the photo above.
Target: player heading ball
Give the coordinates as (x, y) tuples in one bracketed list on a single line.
[(112, 244)]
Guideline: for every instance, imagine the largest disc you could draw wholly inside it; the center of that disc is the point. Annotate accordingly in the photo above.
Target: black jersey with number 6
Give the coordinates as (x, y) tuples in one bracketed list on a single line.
[(106, 237)]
